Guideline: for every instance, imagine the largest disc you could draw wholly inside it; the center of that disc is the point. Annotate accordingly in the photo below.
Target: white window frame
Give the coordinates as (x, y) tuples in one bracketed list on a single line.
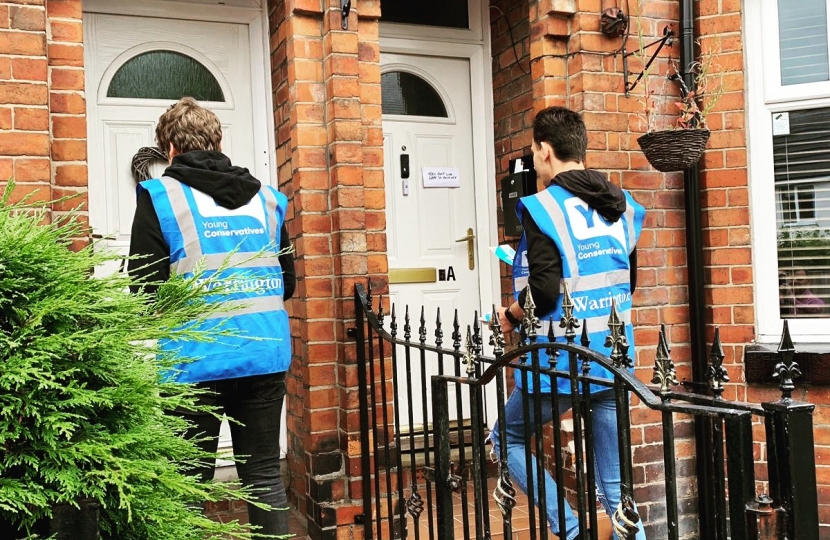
[(766, 96), (774, 91), (797, 210)]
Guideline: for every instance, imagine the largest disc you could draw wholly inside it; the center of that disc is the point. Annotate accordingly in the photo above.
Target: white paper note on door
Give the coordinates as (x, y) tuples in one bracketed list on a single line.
[(441, 177)]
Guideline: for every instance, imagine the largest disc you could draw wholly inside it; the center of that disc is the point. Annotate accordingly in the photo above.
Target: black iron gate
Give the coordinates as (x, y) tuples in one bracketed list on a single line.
[(434, 479)]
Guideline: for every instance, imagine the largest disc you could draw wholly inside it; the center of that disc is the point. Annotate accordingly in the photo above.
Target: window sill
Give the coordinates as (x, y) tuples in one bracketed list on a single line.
[(812, 358)]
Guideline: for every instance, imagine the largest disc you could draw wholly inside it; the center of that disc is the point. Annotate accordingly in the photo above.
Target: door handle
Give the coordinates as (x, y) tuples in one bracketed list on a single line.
[(471, 248)]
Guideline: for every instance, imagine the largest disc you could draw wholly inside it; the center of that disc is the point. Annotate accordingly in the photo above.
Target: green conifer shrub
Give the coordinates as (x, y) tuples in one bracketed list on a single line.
[(82, 403)]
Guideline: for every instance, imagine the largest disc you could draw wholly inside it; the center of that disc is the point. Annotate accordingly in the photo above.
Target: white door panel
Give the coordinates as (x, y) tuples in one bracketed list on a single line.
[(111, 41), (121, 139), (424, 223)]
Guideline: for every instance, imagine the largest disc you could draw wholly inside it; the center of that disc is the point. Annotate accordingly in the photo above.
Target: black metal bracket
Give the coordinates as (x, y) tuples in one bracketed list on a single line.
[(345, 9), (667, 39), (351, 332)]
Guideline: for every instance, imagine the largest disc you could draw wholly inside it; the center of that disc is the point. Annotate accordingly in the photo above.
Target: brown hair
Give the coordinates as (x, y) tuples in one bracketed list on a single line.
[(188, 126), (564, 130)]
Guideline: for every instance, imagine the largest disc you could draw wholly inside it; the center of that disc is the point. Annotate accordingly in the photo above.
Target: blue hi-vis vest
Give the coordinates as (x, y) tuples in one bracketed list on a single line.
[(595, 265), (200, 232)]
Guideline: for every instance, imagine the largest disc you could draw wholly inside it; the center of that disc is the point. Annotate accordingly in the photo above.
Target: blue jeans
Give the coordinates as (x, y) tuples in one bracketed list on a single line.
[(256, 402), (606, 454)]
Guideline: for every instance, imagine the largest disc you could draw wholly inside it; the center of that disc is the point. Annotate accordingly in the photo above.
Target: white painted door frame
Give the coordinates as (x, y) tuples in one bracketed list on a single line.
[(474, 45)]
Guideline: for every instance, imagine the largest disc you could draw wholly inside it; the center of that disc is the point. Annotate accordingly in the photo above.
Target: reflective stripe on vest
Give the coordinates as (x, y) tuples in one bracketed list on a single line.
[(235, 252), (595, 266)]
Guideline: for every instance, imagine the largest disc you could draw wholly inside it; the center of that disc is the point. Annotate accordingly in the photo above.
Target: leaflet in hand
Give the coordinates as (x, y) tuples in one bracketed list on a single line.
[(505, 253)]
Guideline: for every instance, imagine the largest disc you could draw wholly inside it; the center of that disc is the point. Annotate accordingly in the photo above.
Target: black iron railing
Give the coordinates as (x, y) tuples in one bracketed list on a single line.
[(430, 477)]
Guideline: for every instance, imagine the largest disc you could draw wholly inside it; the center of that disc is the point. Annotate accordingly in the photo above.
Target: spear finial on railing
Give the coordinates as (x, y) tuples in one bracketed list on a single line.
[(369, 294), (470, 355), (665, 373), (381, 314), (716, 373), (496, 337), (456, 332), (393, 324), (478, 347), (439, 332), (568, 321), (617, 340), (552, 352), (422, 330), (585, 341), (530, 322), (407, 328), (787, 369)]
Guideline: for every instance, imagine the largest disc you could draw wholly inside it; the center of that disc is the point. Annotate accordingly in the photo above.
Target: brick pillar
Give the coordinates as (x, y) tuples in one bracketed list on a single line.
[(549, 48), (330, 161), (296, 74), (24, 98), (725, 203), (67, 106)]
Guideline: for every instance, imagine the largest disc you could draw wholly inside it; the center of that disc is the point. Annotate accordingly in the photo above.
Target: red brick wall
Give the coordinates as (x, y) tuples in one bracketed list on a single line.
[(573, 64), (284, 123), (725, 197), (42, 106), (67, 104), (727, 235), (512, 92), (24, 116), (330, 160)]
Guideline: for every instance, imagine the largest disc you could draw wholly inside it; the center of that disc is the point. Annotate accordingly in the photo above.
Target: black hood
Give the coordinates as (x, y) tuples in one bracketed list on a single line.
[(212, 173), (594, 188)]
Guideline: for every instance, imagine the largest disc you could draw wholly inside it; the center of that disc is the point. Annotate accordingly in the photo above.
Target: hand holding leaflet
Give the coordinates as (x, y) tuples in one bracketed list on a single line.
[(505, 253)]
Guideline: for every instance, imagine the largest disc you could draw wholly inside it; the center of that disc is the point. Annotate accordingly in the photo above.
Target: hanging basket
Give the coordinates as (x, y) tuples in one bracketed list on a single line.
[(673, 149)]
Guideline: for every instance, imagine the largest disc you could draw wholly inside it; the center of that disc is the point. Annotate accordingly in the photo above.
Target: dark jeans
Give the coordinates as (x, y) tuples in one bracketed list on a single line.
[(255, 403)]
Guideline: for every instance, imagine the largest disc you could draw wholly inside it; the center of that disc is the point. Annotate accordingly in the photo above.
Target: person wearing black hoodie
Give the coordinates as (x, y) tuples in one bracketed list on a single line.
[(207, 213), (581, 231)]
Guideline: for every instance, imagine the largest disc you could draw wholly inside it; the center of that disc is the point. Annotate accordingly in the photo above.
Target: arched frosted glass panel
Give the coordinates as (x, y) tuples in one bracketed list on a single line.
[(164, 75), (405, 93)]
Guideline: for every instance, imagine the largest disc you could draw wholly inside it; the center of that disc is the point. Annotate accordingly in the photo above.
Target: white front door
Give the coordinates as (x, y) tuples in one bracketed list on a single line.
[(136, 67), (430, 201)]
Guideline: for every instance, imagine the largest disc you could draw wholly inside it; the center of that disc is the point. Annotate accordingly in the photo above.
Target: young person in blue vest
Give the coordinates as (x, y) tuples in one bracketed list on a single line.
[(581, 230), (206, 211)]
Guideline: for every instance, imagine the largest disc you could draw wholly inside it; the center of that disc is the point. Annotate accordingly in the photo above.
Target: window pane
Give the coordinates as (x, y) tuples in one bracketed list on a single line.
[(802, 193), (405, 93), (164, 75), (802, 34), (449, 13)]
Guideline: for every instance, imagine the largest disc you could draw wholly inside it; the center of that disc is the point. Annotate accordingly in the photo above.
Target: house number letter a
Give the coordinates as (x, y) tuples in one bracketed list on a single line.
[(450, 274)]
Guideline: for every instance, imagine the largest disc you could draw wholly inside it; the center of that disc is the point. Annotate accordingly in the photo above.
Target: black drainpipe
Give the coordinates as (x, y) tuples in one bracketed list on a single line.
[(697, 306)]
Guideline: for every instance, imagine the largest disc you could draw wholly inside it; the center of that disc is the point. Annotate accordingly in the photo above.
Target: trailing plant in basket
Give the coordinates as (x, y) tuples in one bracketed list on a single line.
[(82, 405), (678, 146)]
